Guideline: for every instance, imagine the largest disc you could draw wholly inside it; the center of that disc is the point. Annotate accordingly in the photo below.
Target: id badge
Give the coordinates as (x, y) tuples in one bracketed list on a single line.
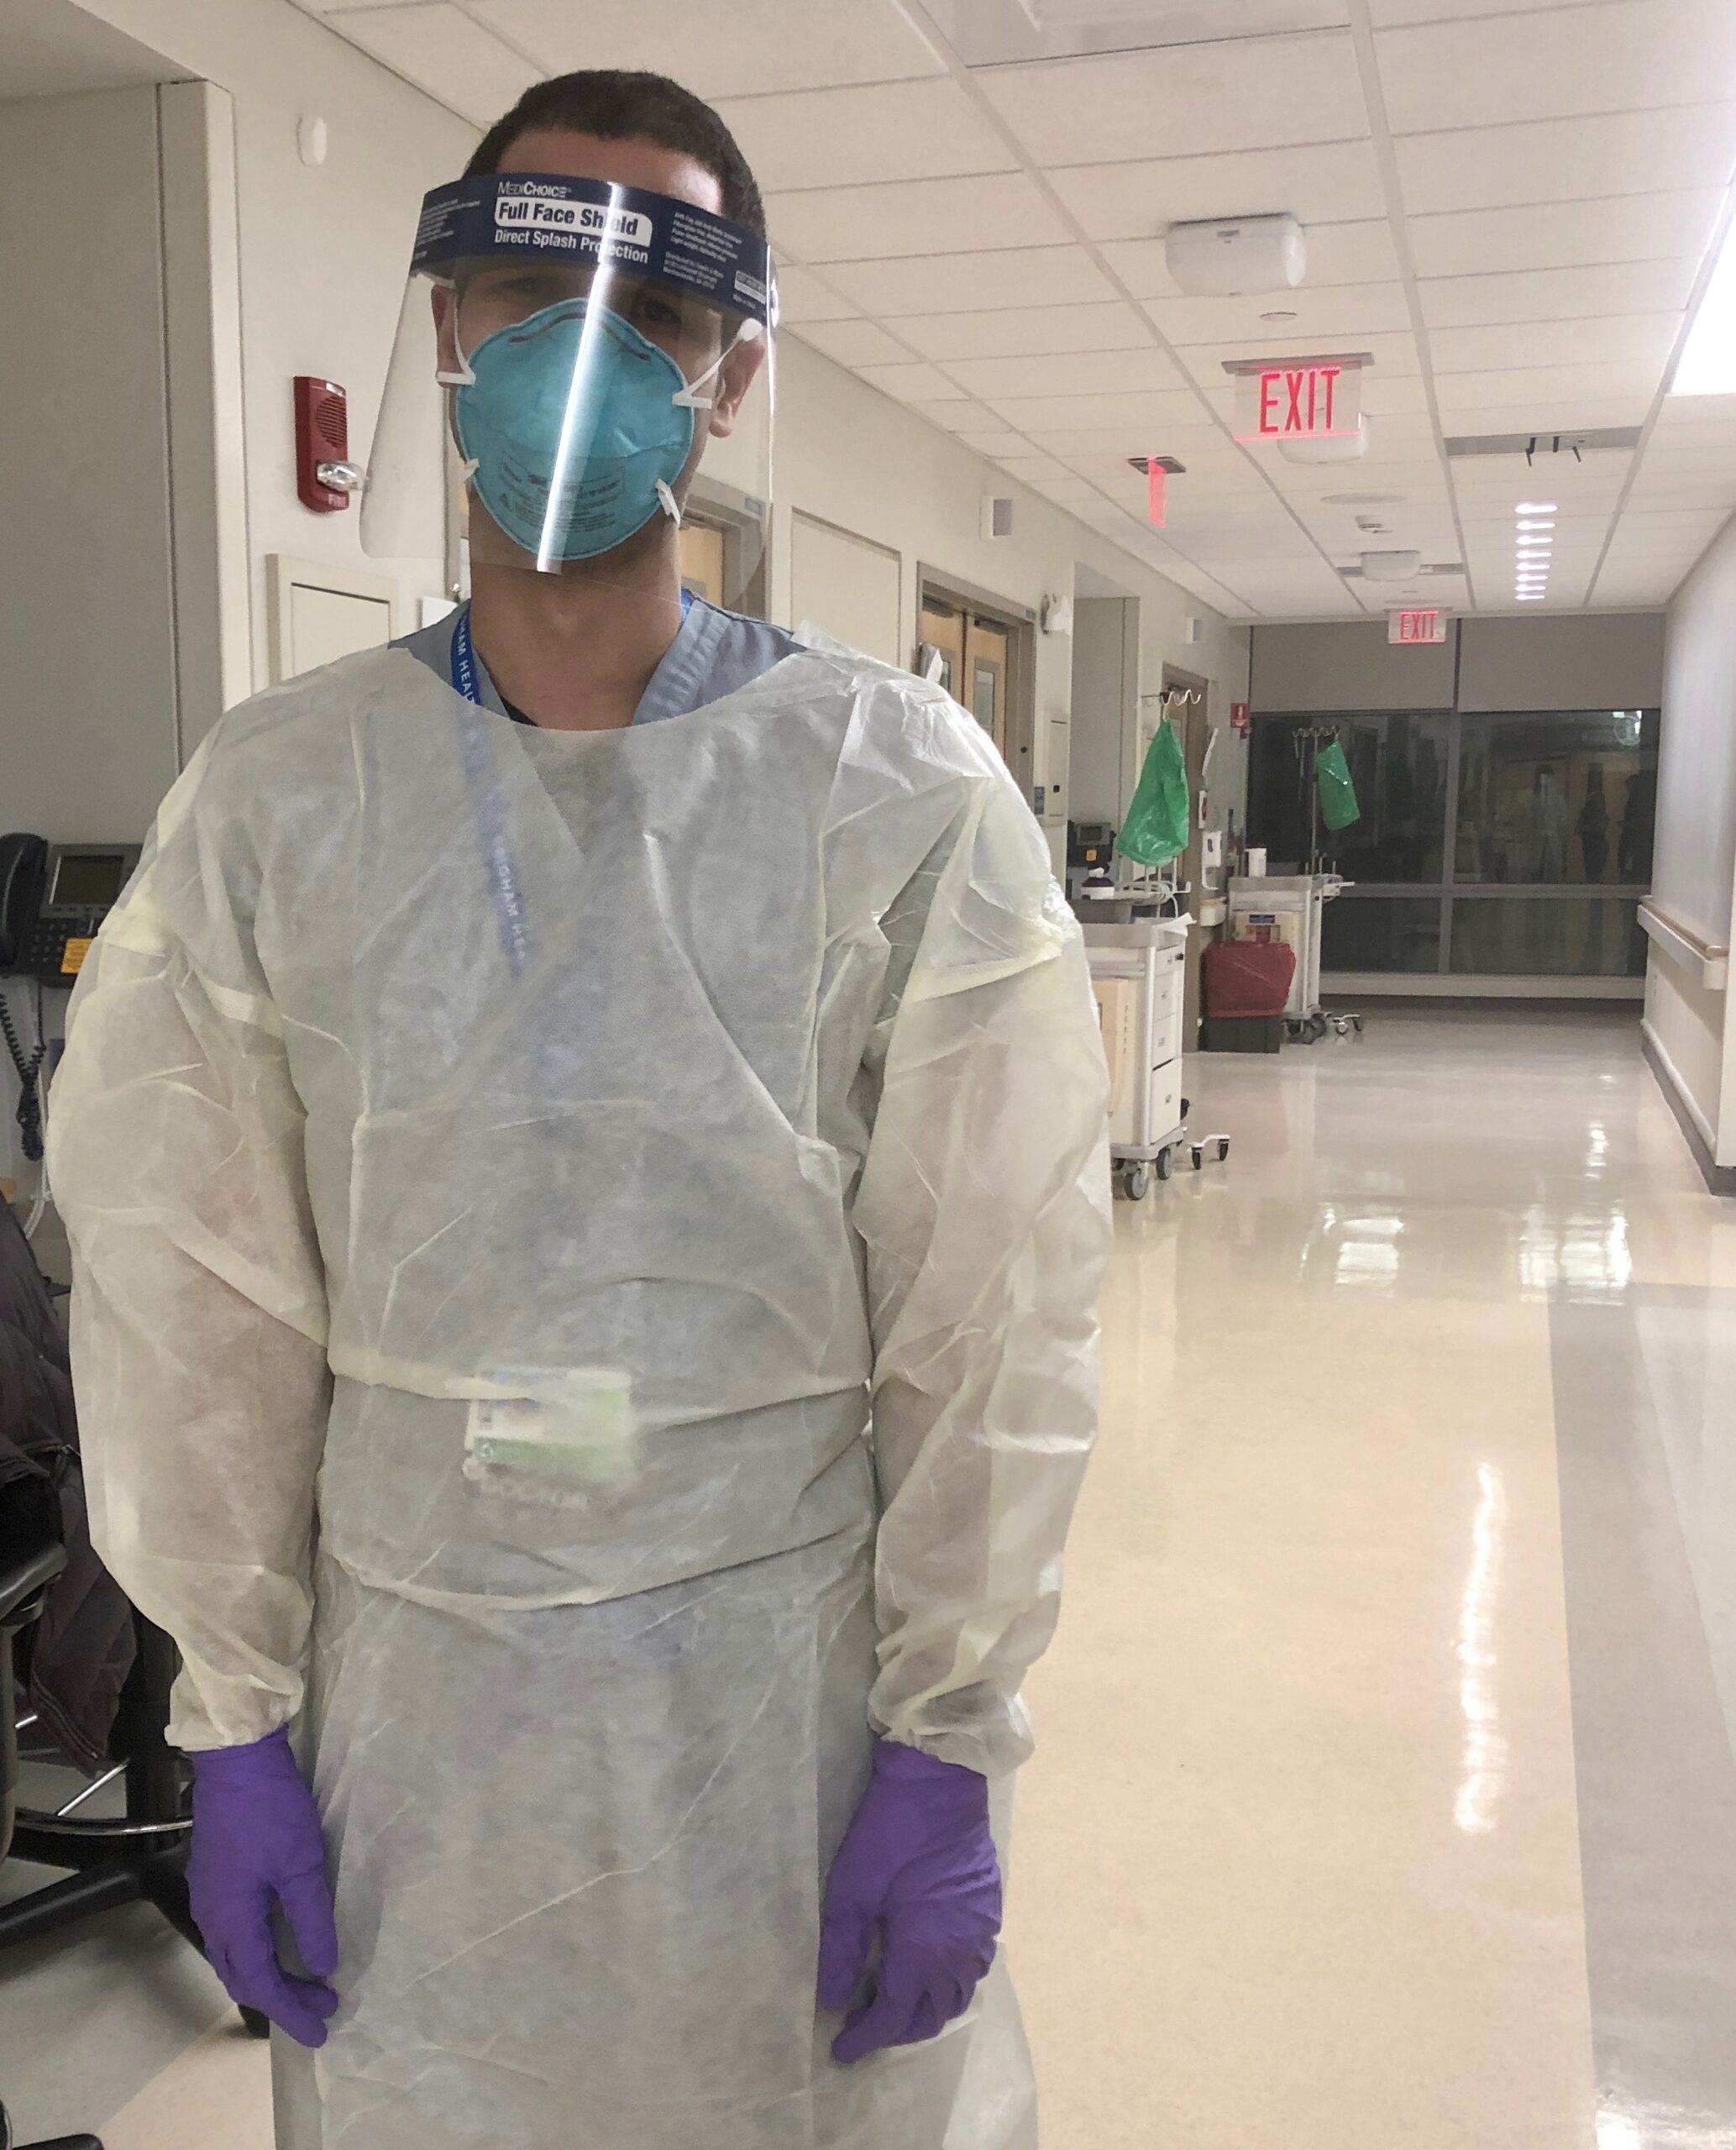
[(565, 1436)]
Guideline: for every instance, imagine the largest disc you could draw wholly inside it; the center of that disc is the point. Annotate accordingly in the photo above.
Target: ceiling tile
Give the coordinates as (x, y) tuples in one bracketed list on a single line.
[(1196, 100), (1538, 386), (1387, 14), (1115, 441), (1564, 234), (956, 414), (1016, 331), (853, 136), (1345, 311), (748, 47), (908, 217), (1648, 530), (1556, 294), (1639, 338), (803, 296), (1624, 55), (996, 441), (446, 54), (1068, 373), (1697, 420), (1549, 414), (1330, 182), (1688, 147), (1712, 489), (944, 283), (1136, 416), (1632, 587), (911, 383), (855, 342)]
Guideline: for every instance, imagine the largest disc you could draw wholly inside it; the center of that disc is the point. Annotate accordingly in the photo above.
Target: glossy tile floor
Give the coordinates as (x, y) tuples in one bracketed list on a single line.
[(1385, 1798)]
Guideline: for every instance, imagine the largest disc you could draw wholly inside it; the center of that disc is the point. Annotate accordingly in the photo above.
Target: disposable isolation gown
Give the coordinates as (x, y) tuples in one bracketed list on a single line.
[(587, 1251)]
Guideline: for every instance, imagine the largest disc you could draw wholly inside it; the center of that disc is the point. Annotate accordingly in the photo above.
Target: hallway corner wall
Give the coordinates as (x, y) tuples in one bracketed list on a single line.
[(1690, 1030)]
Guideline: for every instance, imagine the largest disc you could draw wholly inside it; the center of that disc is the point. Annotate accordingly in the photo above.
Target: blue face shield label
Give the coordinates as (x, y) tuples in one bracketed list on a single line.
[(549, 216)]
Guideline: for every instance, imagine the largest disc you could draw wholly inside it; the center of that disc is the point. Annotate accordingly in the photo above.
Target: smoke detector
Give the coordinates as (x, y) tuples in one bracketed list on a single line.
[(1390, 567), (1329, 447), (1235, 256)]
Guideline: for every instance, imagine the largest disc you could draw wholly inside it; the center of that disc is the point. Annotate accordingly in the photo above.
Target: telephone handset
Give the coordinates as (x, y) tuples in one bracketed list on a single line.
[(24, 868)]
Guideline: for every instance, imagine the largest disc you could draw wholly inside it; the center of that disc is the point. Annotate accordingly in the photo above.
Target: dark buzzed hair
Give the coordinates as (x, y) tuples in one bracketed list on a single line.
[(617, 105)]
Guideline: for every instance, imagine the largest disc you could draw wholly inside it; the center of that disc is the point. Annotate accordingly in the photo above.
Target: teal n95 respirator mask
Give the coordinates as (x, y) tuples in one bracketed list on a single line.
[(605, 355)]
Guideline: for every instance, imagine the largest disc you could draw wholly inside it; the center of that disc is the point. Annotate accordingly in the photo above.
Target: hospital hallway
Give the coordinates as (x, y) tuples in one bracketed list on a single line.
[(1384, 1795)]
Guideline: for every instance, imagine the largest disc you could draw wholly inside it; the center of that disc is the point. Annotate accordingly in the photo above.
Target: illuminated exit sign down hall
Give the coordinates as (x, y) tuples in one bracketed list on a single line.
[(1297, 399)]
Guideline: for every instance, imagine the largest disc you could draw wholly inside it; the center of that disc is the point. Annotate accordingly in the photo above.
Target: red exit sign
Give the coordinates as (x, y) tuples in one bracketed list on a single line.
[(1427, 623), (1297, 399)]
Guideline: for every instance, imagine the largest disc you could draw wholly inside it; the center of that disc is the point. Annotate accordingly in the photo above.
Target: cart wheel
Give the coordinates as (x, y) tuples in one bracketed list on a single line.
[(1223, 1149), (1166, 1163), (1199, 1156), (1357, 1025), (1138, 1179)]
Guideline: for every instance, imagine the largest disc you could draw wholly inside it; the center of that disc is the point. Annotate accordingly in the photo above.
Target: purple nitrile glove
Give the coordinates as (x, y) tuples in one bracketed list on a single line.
[(257, 1844), (917, 1868)]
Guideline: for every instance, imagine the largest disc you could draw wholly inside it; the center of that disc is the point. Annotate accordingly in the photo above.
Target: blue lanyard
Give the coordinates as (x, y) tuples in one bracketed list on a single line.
[(491, 811), (464, 660)]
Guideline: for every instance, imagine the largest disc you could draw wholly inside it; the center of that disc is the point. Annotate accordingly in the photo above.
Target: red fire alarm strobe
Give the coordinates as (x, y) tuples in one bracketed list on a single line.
[(325, 477), (1239, 719)]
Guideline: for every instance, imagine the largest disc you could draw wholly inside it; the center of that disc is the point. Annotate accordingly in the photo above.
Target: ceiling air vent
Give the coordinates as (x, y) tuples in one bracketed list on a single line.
[(1168, 464), (1603, 440)]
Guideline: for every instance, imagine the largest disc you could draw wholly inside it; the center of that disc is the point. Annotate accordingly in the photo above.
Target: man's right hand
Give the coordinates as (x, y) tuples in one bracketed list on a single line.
[(257, 1846)]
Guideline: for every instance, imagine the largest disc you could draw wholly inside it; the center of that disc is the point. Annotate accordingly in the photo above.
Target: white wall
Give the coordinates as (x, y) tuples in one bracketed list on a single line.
[(323, 253), (1692, 1030), (855, 458)]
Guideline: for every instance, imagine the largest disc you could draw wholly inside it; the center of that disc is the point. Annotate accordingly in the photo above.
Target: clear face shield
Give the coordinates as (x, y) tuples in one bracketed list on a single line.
[(582, 377)]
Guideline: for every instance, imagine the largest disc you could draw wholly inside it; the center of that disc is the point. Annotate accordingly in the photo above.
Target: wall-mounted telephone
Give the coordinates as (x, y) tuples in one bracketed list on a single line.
[(53, 897)]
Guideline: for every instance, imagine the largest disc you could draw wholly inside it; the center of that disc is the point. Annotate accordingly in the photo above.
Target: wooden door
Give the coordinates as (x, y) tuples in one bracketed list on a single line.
[(942, 627)]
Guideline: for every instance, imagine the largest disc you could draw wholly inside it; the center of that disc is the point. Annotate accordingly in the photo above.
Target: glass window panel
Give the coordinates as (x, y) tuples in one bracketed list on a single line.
[(1398, 763), (1381, 933), (1567, 798), (1548, 936)]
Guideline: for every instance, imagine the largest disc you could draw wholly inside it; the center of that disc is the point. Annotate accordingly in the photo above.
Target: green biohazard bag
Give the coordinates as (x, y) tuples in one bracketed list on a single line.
[(1155, 829), (1338, 795)]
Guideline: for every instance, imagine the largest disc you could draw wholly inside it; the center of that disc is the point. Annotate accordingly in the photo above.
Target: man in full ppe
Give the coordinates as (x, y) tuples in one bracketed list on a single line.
[(583, 1143)]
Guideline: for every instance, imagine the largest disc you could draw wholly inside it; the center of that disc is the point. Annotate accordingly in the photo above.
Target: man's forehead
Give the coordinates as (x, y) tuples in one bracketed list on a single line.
[(635, 161)]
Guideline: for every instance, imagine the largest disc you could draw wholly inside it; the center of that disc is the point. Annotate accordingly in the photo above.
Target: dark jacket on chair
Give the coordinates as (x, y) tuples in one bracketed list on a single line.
[(73, 1661)]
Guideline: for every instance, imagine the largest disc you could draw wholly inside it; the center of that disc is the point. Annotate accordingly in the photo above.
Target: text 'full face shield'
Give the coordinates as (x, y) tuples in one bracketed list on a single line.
[(605, 358)]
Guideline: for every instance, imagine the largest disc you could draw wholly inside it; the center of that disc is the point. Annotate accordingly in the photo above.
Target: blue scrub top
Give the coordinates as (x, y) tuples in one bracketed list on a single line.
[(713, 654)]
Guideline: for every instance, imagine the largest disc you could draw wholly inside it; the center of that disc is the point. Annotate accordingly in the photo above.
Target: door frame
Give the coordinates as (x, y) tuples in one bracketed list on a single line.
[(1020, 621)]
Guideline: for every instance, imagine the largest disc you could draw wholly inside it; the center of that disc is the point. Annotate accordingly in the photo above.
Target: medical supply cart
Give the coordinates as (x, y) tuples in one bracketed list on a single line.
[(1289, 908), (1137, 973)]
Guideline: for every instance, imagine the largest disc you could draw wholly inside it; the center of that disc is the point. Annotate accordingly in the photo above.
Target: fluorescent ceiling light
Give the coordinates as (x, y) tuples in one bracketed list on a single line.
[(1707, 364), (1524, 527), (1536, 507), (1529, 596)]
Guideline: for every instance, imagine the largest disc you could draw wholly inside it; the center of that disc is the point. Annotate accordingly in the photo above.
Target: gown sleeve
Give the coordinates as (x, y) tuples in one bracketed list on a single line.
[(198, 1309), (983, 1212)]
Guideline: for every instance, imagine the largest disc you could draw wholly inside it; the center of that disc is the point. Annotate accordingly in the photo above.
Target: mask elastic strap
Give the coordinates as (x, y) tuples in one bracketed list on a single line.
[(465, 376), (685, 399)]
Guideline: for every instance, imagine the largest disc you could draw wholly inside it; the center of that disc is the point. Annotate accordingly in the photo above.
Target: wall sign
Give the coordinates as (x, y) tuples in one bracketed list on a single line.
[(1424, 623), (1240, 721), (1316, 398)]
